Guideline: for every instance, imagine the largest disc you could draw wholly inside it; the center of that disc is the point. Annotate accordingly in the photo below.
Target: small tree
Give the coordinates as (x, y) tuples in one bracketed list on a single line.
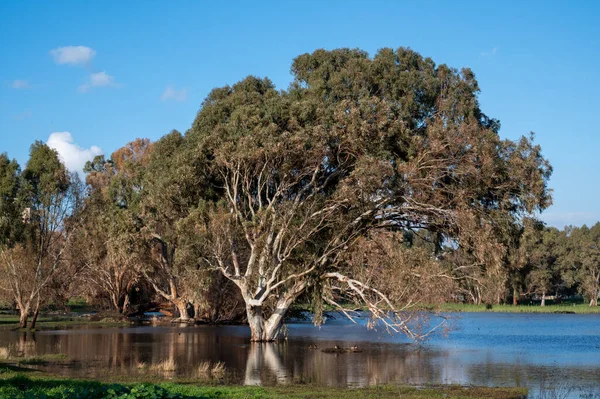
[(581, 260), (47, 200), (542, 252)]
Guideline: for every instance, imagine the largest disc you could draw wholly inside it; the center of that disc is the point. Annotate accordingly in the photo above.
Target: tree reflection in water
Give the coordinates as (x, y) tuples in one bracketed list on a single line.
[(264, 358)]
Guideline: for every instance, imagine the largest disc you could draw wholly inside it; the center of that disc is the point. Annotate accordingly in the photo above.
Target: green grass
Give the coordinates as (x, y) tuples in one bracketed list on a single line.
[(18, 385), (47, 322), (311, 391), (566, 308), (573, 305)]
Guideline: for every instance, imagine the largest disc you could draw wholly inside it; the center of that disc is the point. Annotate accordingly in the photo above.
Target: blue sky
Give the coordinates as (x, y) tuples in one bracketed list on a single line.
[(110, 71)]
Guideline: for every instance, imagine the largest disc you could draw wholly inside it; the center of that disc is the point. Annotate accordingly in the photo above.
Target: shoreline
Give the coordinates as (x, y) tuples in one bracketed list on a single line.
[(26, 383), (53, 321), (548, 309)]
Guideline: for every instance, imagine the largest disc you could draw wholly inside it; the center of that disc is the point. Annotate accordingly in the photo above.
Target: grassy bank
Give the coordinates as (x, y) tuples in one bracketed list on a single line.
[(49, 322), (20, 385), (566, 308)]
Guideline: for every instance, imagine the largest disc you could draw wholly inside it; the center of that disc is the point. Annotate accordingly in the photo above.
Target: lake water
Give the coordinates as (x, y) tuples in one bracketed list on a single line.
[(554, 351)]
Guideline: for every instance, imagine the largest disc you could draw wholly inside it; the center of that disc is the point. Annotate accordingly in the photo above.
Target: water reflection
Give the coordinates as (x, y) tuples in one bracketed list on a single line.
[(484, 350), (264, 363)]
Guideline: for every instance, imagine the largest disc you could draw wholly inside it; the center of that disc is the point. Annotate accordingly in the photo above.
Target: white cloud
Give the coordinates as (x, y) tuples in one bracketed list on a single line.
[(20, 84), (171, 94), (98, 79), (73, 55), (490, 53), (70, 153)]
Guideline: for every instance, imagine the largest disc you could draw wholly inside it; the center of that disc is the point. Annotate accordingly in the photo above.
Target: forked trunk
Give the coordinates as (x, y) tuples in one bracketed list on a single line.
[(182, 309), (263, 330), (120, 302), (268, 330)]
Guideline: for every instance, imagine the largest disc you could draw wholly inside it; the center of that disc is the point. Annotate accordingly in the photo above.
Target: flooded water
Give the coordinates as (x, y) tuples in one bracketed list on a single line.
[(557, 352)]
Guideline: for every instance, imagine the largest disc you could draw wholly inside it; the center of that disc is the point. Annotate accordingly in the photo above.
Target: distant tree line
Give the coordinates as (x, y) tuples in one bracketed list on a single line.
[(370, 182), (540, 262), (559, 263)]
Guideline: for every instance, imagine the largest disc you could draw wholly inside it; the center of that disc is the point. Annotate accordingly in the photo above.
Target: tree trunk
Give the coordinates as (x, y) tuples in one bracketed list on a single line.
[(24, 315), (515, 297), (543, 298), (114, 298), (256, 321), (263, 330), (197, 309), (182, 309), (473, 298), (267, 330), (126, 303), (594, 301), (36, 313)]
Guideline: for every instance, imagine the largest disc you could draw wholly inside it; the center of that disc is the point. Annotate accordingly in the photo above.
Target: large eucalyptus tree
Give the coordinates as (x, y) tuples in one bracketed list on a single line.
[(356, 144)]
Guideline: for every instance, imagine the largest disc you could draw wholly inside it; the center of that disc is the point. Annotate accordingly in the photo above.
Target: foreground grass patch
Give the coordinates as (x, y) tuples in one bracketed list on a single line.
[(18, 386), (380, 392)]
